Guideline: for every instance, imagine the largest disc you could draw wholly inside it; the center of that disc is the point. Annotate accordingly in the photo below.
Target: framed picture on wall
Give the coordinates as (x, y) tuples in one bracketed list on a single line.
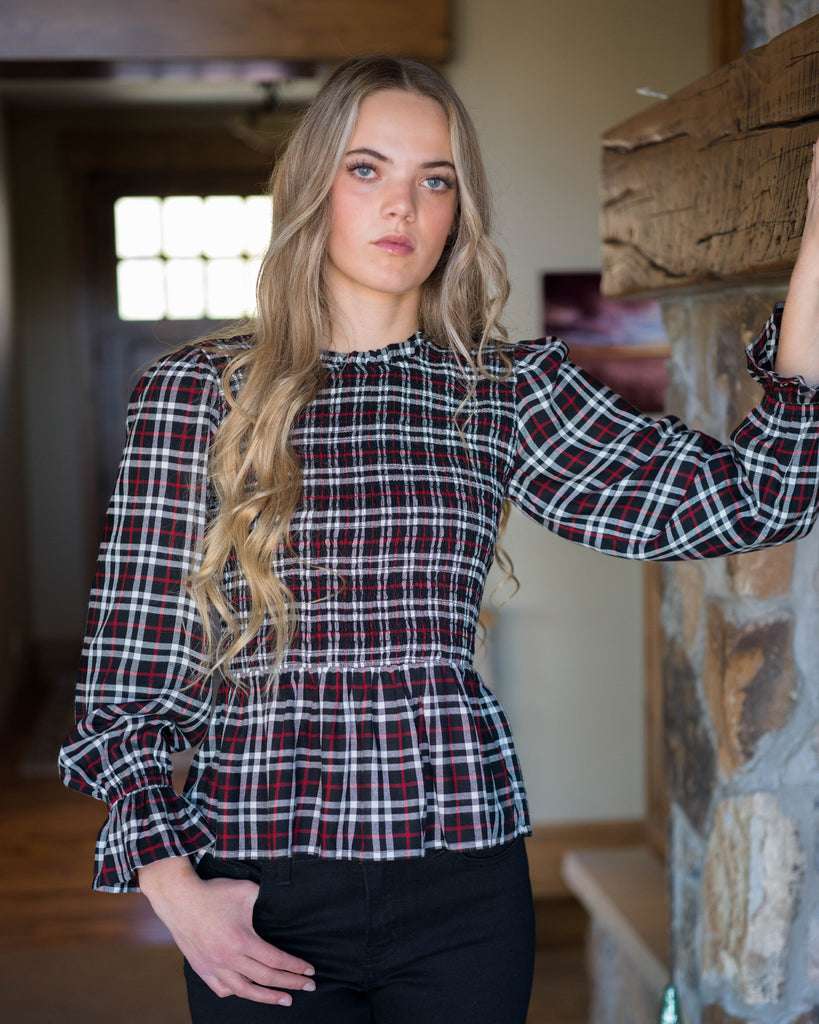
[(621, 343)]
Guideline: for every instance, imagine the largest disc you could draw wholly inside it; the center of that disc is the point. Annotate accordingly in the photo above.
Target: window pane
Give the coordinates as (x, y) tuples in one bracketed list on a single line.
[(182, 218), (224, 226), (227, 288), (136, 226), (257, 224), (141, 288), (185, 283), (201, 245)]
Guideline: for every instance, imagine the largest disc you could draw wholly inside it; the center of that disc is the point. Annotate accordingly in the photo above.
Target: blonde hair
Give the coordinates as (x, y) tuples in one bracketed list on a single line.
[(253, 467)]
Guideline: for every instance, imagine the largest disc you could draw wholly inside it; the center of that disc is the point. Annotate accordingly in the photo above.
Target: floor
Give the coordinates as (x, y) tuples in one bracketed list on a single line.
[(70, 954)]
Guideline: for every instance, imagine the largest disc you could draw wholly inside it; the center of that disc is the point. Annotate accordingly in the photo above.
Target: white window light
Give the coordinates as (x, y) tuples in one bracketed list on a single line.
[(189, 257)]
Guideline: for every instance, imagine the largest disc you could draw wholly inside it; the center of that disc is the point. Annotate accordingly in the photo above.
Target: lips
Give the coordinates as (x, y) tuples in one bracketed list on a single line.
[(398, 245)]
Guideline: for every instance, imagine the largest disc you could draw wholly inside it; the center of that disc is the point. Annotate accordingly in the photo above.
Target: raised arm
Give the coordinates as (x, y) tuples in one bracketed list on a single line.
[(799, 337), (598, 472)]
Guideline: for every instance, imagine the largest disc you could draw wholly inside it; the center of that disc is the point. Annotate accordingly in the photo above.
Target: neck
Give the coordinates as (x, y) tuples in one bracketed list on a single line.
[(372, 321)]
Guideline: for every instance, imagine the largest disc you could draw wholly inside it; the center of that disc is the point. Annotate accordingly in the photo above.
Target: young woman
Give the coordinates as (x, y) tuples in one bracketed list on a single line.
[(293, 565)]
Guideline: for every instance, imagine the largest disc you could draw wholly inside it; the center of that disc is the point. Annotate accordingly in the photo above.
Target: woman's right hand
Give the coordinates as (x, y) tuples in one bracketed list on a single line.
[(212, 924)]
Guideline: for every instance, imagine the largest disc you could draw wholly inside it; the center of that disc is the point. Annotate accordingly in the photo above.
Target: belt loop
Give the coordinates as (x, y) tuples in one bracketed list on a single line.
[(281, 871)]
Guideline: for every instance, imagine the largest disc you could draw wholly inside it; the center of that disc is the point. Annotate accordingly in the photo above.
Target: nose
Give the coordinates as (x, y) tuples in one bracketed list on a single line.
[(399, 200)]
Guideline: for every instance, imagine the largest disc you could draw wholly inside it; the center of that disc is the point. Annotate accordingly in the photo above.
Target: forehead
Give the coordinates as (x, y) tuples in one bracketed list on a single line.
[(403, 120)]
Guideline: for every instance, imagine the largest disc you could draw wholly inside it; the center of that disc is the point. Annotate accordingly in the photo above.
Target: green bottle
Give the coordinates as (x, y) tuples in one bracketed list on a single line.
[(670, 1012)]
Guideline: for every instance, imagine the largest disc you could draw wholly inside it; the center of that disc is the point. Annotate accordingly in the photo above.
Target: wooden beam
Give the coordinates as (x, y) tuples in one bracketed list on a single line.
[(184, 30), (709, 184)]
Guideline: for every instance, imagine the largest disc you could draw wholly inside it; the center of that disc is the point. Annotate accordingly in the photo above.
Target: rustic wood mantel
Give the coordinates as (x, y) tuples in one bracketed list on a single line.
[(709, 185)]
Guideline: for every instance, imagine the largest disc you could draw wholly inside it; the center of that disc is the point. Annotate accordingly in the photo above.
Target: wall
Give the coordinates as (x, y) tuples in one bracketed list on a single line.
[(12, 508), (543, 81), (742, 721), (54, 353), (51, 350)]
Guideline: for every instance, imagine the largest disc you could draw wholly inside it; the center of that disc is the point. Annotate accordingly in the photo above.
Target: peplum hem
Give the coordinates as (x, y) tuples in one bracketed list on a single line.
[(365, 764), (144, 826)]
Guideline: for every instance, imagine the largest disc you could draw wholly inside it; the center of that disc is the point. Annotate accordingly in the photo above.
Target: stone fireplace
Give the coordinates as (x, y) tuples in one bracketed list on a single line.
[(703, 200)]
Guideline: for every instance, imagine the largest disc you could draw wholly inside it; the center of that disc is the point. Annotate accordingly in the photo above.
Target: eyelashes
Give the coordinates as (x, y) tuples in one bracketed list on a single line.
[(360, 166), (444, 179), (444, 182)]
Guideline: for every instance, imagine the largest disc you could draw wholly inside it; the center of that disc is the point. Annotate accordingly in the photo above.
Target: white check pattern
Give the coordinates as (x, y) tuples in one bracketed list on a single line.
[(382, 741)]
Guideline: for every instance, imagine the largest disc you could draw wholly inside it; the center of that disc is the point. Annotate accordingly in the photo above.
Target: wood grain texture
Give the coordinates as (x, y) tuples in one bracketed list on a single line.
[(309, 30), (709, 185)]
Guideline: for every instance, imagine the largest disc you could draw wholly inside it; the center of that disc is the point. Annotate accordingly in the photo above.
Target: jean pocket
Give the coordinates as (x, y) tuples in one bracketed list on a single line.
[(275, 907), (210, 867), (491, 854)]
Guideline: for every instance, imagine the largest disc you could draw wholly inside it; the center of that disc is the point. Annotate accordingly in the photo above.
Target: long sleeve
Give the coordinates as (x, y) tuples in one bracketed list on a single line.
[(135, 701), (596, 471)]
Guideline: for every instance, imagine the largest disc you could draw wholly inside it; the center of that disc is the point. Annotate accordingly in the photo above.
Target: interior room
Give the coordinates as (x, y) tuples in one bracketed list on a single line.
[(90, 118)]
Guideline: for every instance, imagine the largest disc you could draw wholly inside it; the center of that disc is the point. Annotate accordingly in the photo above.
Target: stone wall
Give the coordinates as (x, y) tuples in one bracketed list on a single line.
[(764, 19), (619, 995), (742, 722)]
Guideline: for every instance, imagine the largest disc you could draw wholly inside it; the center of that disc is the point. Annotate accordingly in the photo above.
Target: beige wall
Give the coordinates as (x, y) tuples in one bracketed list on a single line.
[(543, 80)]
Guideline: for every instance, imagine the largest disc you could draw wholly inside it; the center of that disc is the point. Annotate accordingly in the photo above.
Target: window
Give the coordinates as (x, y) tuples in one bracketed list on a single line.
[(189, 257)]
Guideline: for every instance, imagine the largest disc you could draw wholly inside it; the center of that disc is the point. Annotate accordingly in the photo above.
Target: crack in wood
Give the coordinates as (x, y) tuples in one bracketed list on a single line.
[(788, 122), (632, 196), (799, 57), (649, 261), (713, 235)]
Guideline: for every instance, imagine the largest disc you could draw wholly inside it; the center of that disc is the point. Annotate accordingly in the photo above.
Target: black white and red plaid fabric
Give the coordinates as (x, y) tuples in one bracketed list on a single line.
[(382, 741)]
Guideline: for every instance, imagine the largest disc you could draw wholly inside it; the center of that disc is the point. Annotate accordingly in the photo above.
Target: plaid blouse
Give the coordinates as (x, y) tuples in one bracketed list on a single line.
[(381, 741)]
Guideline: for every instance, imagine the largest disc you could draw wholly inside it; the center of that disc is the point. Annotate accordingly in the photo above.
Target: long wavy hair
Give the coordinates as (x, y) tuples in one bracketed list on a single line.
[(253, 468)]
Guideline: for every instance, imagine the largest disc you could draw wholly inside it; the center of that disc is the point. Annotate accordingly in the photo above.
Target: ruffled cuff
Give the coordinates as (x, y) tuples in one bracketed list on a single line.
[(761, 356), (144, 826)]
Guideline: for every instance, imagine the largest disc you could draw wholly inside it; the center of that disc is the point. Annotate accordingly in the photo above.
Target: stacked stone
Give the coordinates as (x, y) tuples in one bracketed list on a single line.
[(741, 721)]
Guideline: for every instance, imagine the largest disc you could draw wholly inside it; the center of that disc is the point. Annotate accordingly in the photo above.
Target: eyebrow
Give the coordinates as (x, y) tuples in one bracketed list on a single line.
[(365, 151)]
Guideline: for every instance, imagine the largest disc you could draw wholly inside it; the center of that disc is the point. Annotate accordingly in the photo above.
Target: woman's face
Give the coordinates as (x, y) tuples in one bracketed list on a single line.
[(394, 200)]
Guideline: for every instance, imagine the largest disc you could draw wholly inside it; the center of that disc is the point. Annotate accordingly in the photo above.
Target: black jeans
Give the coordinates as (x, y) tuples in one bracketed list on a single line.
[(444, 938)]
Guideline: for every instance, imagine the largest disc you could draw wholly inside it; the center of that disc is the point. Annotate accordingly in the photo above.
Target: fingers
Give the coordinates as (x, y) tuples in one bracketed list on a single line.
[(237, 985), (276, 959), (212, 923), (262, 979), (271, 967), (251, 979), (255, 970)]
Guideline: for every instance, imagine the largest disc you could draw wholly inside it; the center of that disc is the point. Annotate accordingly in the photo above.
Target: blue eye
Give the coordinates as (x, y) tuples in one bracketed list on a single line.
[(362, 171), (438, 184)]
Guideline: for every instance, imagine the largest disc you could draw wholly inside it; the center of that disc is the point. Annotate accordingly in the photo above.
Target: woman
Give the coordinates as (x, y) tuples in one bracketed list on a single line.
[(294, 560)]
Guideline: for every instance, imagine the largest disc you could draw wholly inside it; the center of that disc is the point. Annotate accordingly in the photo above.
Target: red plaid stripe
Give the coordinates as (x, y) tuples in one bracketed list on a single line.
[(382, 742)]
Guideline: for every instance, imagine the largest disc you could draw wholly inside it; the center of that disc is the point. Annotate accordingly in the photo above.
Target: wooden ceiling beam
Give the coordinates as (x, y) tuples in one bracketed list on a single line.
[(189, 30), (709, 185)]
